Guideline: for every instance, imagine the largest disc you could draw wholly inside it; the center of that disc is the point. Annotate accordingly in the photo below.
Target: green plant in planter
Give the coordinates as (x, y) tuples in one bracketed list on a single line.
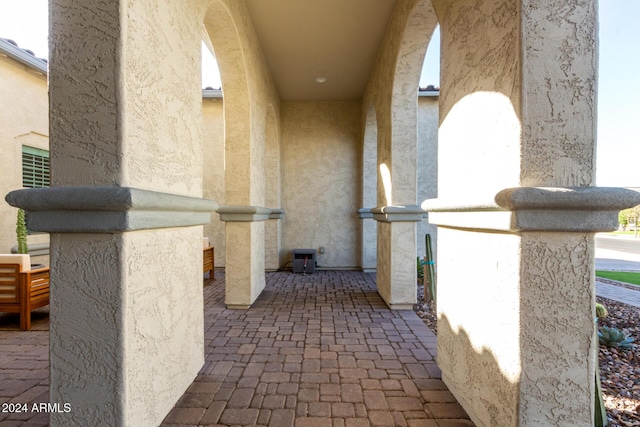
[(21, 232), (601, 311), (614, 337)]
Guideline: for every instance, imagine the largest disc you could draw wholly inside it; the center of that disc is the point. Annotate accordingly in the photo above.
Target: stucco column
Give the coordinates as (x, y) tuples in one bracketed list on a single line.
[(397, 213), (245, 240), (126, 211), (369, 191), (516, 210), (396, 276)]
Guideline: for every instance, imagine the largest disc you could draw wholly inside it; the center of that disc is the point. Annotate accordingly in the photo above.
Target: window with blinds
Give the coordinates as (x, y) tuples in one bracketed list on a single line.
[(35, 167)]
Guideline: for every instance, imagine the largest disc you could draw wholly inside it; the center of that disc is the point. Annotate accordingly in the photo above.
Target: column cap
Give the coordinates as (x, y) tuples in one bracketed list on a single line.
[(365, 213), (411, 213), (244, 213), (577, 209), (108, 209)]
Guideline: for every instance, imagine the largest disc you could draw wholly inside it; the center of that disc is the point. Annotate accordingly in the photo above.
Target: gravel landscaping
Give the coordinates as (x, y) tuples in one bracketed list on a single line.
[(619, 368)]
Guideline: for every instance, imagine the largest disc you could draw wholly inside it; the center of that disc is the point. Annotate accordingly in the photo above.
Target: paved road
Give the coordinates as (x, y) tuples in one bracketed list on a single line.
[(617, 253), (627, 244)]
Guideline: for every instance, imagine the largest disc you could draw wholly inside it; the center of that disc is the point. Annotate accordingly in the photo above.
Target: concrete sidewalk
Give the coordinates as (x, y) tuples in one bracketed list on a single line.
[(618, 293)]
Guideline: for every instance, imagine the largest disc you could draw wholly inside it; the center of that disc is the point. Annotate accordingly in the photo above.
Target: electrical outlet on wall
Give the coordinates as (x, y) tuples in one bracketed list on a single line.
[(321, 250)]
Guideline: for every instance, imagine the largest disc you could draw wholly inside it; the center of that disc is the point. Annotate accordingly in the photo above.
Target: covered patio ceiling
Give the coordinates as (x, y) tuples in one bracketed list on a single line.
[(306, 40)]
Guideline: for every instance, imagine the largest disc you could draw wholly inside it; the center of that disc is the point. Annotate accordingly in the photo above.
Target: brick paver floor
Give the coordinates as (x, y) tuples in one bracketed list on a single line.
[(313, 350), (316, 350), (24, 369)]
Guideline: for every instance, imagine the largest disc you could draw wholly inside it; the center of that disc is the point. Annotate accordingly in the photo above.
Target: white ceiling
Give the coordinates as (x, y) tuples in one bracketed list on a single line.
[(306, 39)]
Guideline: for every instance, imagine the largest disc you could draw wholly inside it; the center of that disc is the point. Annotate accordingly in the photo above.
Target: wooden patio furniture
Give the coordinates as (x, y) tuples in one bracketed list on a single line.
[(22, 289), (208, 261)]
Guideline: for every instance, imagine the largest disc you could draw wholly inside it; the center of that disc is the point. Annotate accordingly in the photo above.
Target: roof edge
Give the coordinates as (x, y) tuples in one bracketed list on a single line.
[(18, 54)]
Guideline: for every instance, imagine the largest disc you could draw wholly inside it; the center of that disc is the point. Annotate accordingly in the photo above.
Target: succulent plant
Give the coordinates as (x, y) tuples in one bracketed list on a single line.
[(614, 337), (601, 311), (21, 233)]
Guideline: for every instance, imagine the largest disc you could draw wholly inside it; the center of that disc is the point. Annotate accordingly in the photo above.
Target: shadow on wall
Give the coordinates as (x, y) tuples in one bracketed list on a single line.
[(494, 403), (493, 397)]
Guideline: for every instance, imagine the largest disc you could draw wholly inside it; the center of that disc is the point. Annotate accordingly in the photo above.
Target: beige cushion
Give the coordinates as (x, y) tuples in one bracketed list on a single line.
[(24, 260)]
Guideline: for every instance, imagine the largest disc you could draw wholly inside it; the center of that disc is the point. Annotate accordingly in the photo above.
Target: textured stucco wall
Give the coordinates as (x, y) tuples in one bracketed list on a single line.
[(249, 94), (393, 91), (273, 189), (213, 171), (480, 100), (515, 77), (24, 121), (321, 194), (163, 347), (369, 188), (556, 307), (213, 154), (135, 314), (160, 148), (133, 121), (559, 74), (478, 322), (427, 166)]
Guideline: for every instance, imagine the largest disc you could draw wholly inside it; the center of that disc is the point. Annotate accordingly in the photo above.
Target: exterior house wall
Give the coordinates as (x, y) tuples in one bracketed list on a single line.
[(126, 342), (514, 113), (24, 121), (427, 173), (321, 176), (213, 172), (295, 139)]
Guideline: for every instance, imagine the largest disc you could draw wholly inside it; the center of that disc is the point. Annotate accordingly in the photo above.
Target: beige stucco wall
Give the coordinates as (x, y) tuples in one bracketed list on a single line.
[(427, 166), (213, 172), (321, 181), (392, 90), (250, 96), (479, 323), (369, 190), (24, 121), (479, 116), (141, 129), (160, 348), (521, 308)]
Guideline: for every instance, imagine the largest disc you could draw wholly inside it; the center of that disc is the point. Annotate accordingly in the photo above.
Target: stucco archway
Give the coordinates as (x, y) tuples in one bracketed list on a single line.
[(248, 94), (396, 105)]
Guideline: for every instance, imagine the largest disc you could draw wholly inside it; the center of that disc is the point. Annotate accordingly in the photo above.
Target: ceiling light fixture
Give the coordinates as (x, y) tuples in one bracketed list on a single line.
[(321, 80)]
